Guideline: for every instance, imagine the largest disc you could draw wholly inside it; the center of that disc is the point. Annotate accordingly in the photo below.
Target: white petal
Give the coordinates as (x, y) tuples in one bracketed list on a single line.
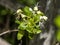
[(35, 8), (38, 12), (30, 9), (18, 11), (45, 17), (23, 15), (41, 17)]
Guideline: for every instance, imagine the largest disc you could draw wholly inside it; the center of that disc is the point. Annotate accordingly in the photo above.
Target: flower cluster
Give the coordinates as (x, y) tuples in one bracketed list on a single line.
[(43, 17), (29, 21)]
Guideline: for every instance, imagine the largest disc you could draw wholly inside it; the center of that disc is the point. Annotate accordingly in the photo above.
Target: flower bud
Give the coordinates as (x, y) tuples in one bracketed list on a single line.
[(45, 18), (30, 9), (35, 8), (23, 15), (19, 11), (38, 12), (41, 17)]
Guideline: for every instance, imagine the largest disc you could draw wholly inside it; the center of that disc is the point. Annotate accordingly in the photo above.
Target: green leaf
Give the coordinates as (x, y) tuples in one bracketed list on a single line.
[(30, 35), (22, 26), (27, 11), (36, 18), (20, 35), (29, 29), (17, 21), (58, 35), (38, 31), (57, 21)]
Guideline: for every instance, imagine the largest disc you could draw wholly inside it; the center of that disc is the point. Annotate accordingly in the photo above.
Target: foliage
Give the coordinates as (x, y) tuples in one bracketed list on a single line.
[(57, 21), (28, 2), (58, 35), (28, 20)]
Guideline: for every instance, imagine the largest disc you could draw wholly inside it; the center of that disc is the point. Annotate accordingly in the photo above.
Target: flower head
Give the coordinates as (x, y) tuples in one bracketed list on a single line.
[(23, 15), (30, 9), (19, 11), (35, 8), (38, 12), (43, 17)]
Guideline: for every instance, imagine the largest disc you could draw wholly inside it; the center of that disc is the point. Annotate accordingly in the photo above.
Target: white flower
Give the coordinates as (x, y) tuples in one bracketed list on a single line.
[(23, 15), (43, 17), (38, 12), (19, 11), (35, 8), (30, 9)]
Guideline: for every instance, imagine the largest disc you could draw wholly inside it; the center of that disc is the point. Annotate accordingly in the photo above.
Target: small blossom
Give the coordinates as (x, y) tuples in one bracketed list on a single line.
[(19, 11), (43, 17), (23, 15), (30, 9), (38, 12), (35, 8)]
